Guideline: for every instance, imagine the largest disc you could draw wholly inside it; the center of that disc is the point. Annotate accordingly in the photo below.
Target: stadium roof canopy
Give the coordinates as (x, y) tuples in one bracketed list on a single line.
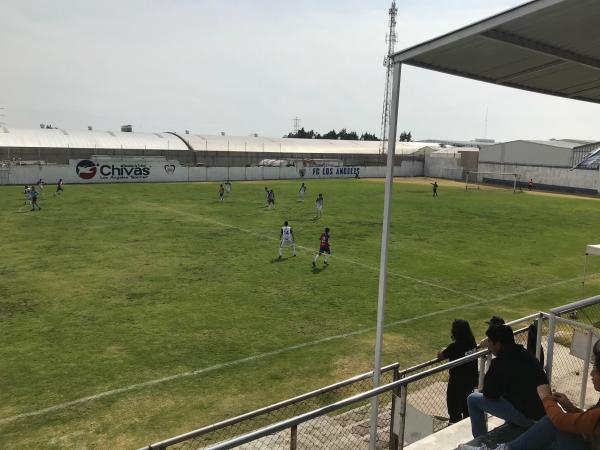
[(546, 46)]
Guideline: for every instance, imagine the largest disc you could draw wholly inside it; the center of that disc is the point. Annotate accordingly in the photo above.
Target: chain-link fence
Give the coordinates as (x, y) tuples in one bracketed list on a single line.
[(412, 402), (246, 423)]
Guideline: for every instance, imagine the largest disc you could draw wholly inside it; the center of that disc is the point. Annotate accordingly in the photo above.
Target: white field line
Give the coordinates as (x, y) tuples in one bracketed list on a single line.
[(273, 353), (348, 260), (480, 301)]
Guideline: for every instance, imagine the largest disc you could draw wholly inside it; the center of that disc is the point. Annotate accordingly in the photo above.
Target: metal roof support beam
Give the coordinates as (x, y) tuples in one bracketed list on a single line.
[(459, 73), (385, 238), (531, 71), (543, 49)]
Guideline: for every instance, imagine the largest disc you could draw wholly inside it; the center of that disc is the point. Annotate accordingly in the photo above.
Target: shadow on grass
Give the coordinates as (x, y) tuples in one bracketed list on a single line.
[(280, 260), (316, 269)]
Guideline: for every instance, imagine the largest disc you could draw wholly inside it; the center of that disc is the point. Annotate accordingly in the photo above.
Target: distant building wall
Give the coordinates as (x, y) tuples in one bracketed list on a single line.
[(188, 157), (527, 153), (450, 165), (552, 178)]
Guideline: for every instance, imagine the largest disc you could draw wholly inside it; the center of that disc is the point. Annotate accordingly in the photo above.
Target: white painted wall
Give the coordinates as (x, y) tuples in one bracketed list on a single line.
[(161, 171), (448, 167), (550, 176)]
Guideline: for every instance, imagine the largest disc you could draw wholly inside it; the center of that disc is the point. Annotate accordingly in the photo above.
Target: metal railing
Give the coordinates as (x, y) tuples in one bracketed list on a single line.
[(411, 398)]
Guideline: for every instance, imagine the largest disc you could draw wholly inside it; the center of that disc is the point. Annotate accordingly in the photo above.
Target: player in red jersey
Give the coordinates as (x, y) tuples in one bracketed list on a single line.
[(323, 248)]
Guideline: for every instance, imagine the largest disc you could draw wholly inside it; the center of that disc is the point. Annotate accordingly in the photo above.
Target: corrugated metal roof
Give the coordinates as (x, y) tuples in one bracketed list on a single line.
[(292, 145), (570, 144), (547, 46), (59, 138)]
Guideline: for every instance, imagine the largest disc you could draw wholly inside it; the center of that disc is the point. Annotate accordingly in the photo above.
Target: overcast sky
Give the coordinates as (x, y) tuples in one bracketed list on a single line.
[(251, 66)]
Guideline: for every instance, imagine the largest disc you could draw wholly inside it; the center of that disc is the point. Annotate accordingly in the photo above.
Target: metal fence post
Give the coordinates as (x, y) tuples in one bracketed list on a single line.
[(538, 338), (586, 369), (550, 355), (294, 437), (403, 395), (396, 392)]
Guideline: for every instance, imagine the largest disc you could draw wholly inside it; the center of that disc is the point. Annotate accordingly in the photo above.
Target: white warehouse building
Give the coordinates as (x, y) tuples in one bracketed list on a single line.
[(552, 164)]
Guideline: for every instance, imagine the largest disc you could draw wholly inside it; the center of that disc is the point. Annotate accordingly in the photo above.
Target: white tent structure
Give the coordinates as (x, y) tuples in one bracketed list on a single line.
[(546, 46)]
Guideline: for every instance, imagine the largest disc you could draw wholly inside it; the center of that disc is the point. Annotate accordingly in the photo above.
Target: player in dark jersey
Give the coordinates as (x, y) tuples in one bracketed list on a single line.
[(323, 248), (221, 193), (271, 199), (59, 187)]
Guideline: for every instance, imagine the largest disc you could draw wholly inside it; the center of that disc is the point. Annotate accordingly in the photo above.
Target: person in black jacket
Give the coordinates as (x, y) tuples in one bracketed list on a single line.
[(462, 379), (509, 387)]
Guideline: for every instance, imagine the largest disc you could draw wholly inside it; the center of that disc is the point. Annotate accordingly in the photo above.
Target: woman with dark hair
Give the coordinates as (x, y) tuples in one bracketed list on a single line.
[(565, 426), (462, 379)]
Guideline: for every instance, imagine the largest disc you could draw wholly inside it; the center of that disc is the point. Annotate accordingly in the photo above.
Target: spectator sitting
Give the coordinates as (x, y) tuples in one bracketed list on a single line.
[(565, 425), (493, 322), (509, 386), (462, 379)]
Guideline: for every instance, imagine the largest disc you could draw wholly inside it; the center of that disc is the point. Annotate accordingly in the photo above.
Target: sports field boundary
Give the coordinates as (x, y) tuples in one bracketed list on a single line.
[(479, 301)]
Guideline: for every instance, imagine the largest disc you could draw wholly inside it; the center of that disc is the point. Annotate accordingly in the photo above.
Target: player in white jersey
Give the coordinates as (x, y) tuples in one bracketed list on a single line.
[(27, 193), (301, 192), (286, 239), (319, 206)]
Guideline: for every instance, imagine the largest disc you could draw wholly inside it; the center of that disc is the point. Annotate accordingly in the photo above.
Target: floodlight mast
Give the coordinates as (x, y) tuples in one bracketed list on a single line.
[(387, 63)]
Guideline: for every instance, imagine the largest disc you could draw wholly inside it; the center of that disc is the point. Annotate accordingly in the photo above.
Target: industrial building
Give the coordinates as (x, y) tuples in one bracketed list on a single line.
[(552, 165)]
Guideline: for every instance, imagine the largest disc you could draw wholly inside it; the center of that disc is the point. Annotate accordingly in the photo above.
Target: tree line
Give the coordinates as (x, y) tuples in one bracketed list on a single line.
[(344, 135)]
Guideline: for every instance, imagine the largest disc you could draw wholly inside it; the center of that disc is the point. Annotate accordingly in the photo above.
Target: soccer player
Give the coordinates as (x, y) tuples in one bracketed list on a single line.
[(286, 239), (271, 199), (319, 206), (435, 186), (228, 187), (34, 196), (27, 193), (59, 187), (530, 184), (221, 193), (40, 184), (301, 192), (323, 248)]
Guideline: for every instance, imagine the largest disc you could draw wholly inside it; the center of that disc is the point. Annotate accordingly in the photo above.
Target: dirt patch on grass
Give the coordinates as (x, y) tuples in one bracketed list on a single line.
[(453, 183), (10, 309)]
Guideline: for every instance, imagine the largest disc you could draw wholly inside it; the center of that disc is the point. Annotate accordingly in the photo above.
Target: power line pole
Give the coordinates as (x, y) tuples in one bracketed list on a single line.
[(387, 63)]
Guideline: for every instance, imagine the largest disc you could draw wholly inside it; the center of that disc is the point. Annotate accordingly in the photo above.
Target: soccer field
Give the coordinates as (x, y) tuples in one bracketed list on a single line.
[(112, 294)]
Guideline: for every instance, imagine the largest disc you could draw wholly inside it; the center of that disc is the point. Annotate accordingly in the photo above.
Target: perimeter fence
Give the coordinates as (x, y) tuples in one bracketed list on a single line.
[(412, 401)]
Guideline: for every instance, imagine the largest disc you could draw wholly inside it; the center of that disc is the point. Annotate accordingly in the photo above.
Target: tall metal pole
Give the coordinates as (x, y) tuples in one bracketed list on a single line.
[(387, 63), (387, 210)]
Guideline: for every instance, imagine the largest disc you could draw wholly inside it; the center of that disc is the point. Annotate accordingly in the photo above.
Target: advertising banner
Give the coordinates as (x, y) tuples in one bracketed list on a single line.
[(136, 170)]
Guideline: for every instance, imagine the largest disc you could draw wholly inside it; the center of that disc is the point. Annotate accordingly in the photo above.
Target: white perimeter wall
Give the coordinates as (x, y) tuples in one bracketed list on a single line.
[(550, 176), (449, 167), (170, 171)]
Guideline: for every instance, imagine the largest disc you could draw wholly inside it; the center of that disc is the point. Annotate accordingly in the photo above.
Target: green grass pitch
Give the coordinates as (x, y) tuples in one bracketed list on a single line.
[(111, 286)]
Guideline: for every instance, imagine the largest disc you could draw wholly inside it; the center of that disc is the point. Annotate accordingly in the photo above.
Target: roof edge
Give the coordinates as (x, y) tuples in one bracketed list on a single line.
[(474, 29)]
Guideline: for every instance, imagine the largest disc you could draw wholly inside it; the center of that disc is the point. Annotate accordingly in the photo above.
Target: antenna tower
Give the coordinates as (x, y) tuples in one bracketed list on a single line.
[(387, 63), (296, 124)]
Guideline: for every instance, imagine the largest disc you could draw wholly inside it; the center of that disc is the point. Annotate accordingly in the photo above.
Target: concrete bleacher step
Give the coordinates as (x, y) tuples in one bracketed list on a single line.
[(450, 437)]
